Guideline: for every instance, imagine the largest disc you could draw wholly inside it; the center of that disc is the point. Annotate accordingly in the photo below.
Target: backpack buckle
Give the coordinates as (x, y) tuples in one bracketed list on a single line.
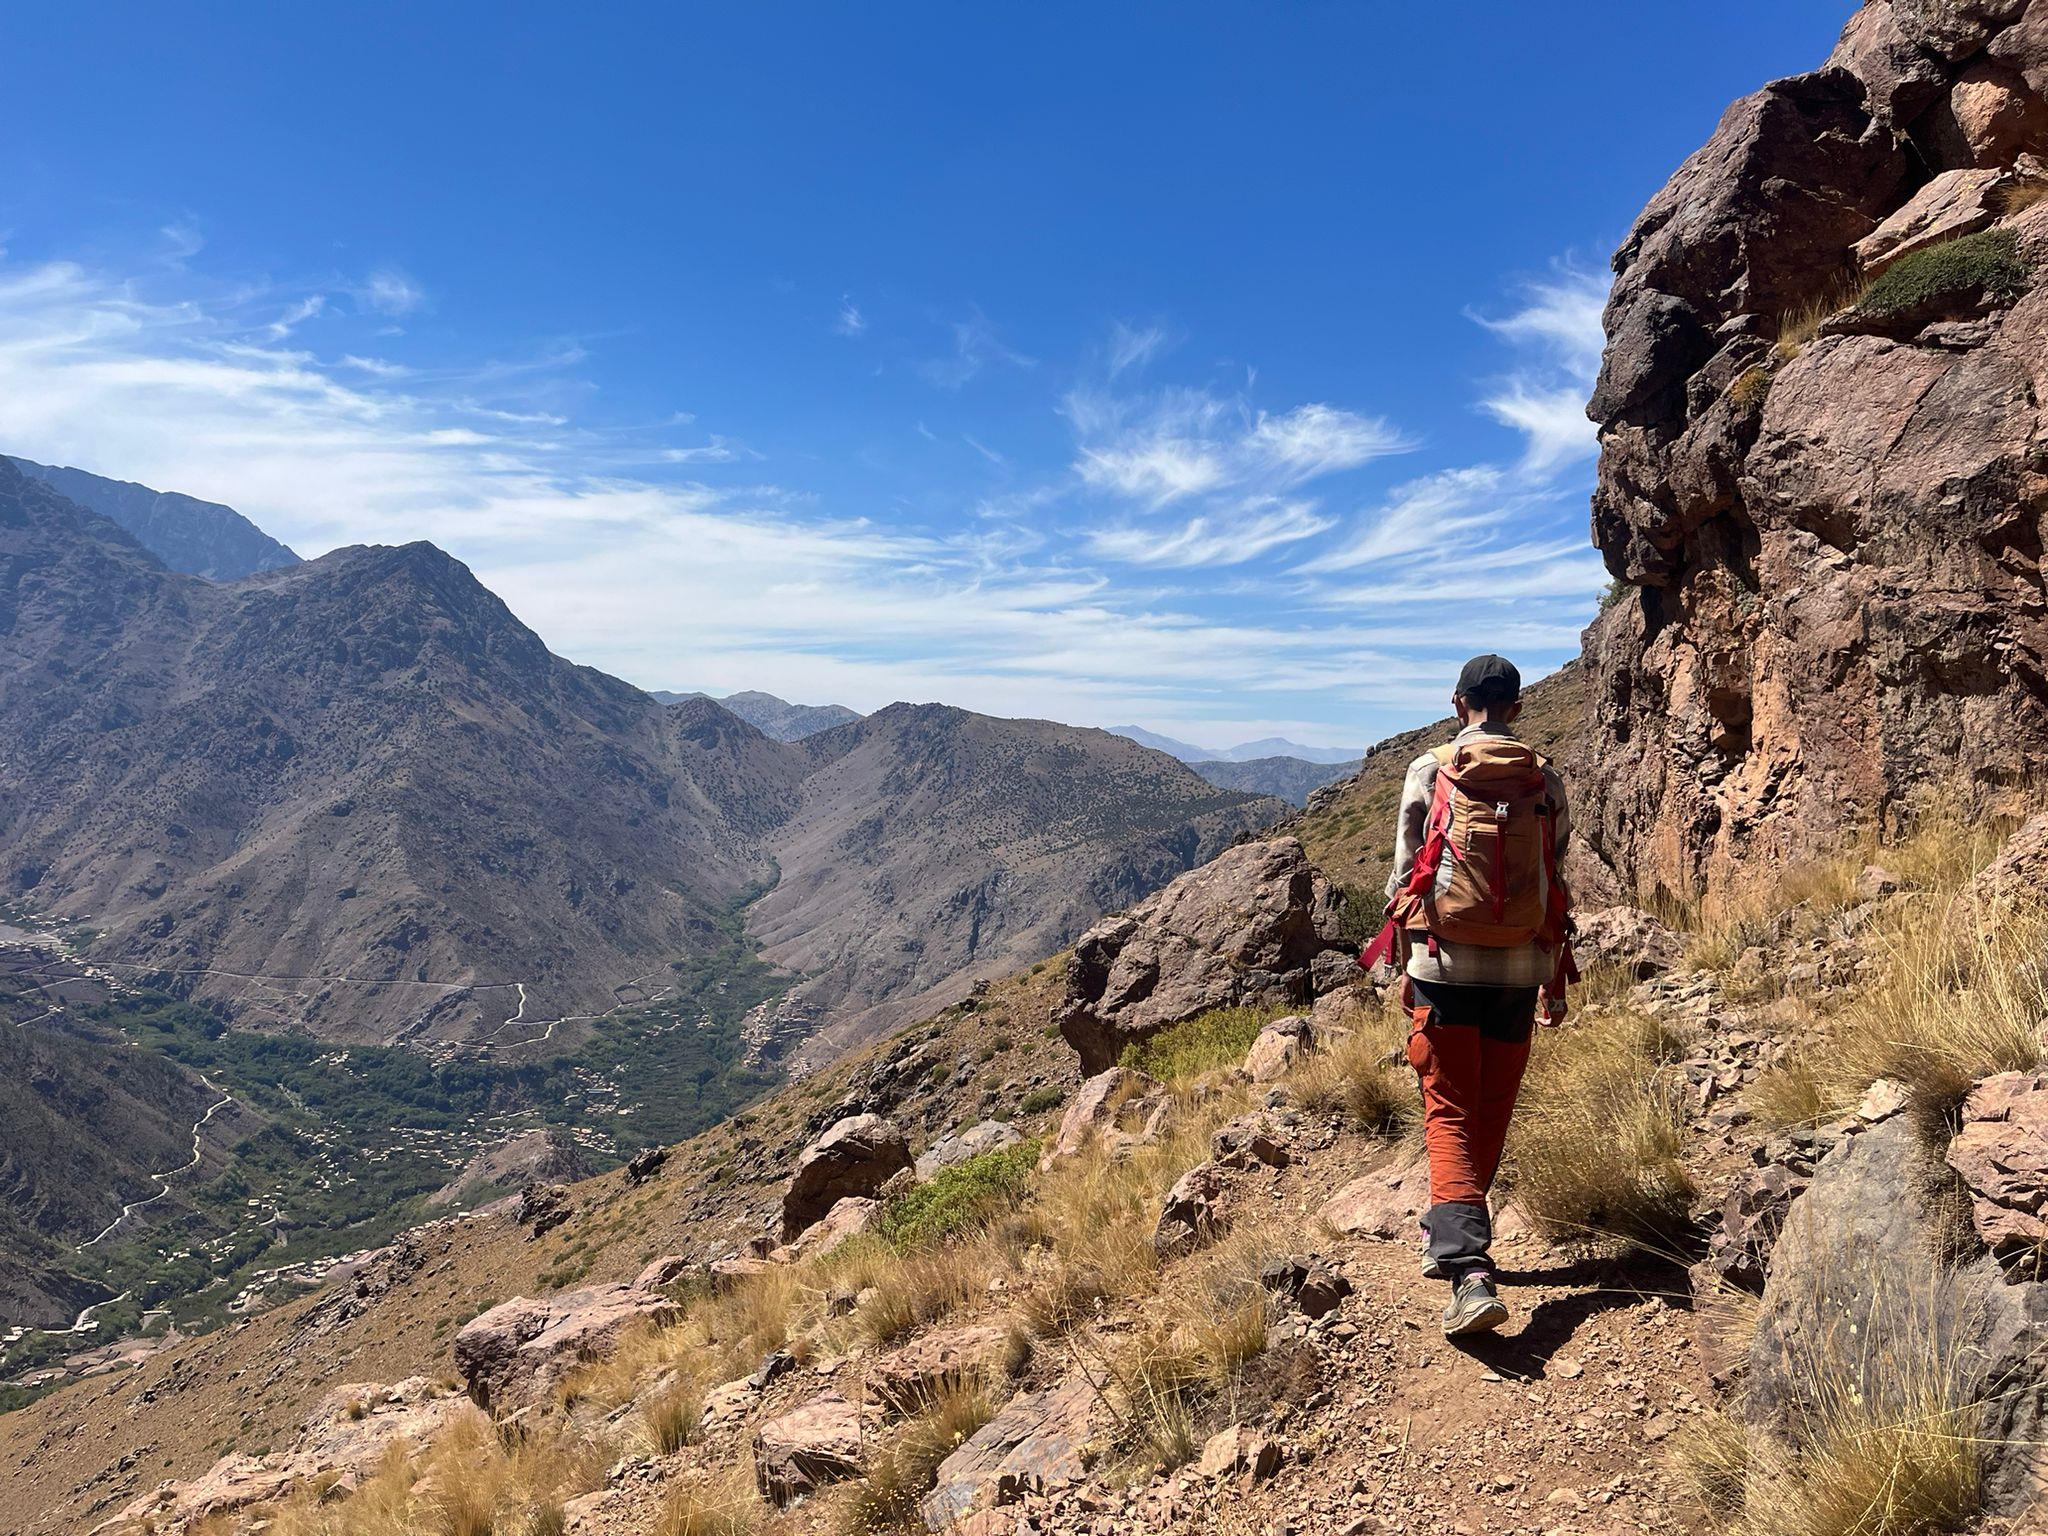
[(1500, 810)]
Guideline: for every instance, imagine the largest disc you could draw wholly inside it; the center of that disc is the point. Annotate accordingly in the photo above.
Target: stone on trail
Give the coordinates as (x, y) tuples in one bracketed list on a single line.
[(1278, 1049), (2001, 1154), (1039, 1442), (1388, 1204), (1629, 938), (1099, 1106), (1239, 1452), (989, 1136)]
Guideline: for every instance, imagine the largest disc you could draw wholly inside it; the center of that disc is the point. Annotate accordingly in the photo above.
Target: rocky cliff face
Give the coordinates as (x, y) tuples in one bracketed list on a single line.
[(1823, 450)]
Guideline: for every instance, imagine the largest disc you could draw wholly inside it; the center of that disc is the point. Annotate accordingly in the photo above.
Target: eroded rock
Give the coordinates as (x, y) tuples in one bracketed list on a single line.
[(807, 1448), (1039, 1442), (1244, 929), (855, 1157), (989, 1136), (1628, 938), (515, 1353), (2001, 1154), (1100, 1105)]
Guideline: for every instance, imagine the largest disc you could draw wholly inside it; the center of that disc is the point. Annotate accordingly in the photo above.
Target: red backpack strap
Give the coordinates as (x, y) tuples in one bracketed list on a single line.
[(1421, 874)]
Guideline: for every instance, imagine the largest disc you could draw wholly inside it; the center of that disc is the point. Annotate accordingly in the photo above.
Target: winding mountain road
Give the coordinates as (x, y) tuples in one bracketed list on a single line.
[(164, 1179)]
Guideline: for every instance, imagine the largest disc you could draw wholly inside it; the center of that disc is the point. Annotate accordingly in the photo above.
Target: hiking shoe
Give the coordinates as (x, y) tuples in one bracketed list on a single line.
[(1474, 1307), (1433, 1268)]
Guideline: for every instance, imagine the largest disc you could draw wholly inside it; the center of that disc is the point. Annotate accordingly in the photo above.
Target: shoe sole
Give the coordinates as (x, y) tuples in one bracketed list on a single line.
[(1485, 1320)]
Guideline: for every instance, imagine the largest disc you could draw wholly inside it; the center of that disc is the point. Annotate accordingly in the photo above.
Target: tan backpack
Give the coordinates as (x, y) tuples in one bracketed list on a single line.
[(1486, 872)]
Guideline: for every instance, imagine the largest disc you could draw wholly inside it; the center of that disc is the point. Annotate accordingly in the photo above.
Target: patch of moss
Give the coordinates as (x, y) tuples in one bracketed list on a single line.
[(1987, 263), (959, 1197)]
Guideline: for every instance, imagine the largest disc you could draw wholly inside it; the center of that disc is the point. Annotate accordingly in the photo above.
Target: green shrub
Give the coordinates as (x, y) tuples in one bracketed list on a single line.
[(1987, 262), (1207, 1041), (959, 1198), (1039, 1099)]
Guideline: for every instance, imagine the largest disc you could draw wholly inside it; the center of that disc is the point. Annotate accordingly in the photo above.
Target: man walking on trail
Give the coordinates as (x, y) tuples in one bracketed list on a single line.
[(1480, 920)]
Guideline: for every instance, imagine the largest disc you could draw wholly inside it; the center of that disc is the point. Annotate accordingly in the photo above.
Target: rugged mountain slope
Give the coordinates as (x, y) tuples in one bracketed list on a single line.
[(89, 1120), (933, 847), (1292, 779), (360, 767), (1820, 476), (357, 795), (200, 538)]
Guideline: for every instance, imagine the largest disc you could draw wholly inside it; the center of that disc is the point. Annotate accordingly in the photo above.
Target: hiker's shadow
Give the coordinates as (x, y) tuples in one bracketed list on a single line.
[(1602, 1285)]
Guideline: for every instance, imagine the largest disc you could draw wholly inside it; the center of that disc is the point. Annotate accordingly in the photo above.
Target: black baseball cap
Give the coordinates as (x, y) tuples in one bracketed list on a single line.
[(1489, 680)]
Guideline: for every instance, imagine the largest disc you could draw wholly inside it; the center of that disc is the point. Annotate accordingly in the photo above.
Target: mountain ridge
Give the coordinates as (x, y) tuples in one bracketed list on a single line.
[(198, 538)]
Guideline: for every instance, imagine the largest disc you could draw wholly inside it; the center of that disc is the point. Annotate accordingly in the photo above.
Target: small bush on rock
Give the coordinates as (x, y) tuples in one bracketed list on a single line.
[(1986, 263), (960, 1197)]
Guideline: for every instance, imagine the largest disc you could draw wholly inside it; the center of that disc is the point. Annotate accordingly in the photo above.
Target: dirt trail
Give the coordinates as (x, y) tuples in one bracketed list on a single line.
[(163, 1179)]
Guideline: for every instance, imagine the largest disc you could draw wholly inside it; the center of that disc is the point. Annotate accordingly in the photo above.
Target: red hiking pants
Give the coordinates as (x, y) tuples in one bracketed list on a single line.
[(1469, 1047)]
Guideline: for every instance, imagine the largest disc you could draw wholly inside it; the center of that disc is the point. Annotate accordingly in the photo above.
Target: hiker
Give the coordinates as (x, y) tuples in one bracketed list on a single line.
[(1479, 921)]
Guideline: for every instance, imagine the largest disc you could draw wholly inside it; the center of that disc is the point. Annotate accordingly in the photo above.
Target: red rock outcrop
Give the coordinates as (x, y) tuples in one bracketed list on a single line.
[(1824, 505)]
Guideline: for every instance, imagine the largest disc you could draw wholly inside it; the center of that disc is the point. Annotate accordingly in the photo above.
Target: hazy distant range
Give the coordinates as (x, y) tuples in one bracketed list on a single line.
[(1272, 765)]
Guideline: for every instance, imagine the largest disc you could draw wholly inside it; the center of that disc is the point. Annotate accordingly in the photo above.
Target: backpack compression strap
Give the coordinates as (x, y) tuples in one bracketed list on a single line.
[(1421, 874)]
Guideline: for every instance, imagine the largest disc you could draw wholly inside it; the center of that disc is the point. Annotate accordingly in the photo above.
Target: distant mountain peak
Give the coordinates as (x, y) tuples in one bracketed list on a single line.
[(198, 538), (1243, 752), (773, 717)]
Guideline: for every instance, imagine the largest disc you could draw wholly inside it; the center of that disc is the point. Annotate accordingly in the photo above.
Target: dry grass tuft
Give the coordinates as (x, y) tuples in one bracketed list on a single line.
[(472, 1481), (1885, 1437), (672, 1416), (1597, 1140), (906, 1469), (1355, 1080), (724, 1504)]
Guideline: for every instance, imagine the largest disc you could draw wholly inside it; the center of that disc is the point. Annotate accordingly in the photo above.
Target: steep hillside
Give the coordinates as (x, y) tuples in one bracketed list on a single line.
[(361, 767), (775, 718), (200, 538), (357, 796), (1820, 475), (933, 847)]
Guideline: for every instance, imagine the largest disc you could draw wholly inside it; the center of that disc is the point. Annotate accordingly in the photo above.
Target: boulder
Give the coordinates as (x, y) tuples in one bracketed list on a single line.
[(645, 1164), (542, 1208), (807, 1448), (1388, 1204), (1279, 1048), (847, 1219), (1627, 938), (514, 1354), (1752, 1217), (1252, 1141), (907, 1378), (1307, 1281), (1859, 1292), (1955, 203), (1099, 1107), (1039, 1442), (1244, 929), (855, 1157), (1194, 1211), (989, 1136), (2001, 1155), (661, 1273)]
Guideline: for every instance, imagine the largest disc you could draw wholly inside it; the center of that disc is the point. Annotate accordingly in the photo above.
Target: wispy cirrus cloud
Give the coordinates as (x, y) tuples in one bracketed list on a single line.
[(1558, 329), (850, 321), (1211, 561)]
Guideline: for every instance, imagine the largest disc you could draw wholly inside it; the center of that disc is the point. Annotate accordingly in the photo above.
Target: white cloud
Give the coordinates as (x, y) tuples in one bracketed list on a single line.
[(388, 291), (976, 346), (299, 313), (1558, 326), (1552, 421), (1177, 443), (719, 450), (1211, 541), (1133, 346), (850, 322), (378, 367)]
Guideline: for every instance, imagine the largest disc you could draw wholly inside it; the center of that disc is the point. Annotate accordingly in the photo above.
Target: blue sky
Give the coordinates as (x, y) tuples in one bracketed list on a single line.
[(1216, 367)]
